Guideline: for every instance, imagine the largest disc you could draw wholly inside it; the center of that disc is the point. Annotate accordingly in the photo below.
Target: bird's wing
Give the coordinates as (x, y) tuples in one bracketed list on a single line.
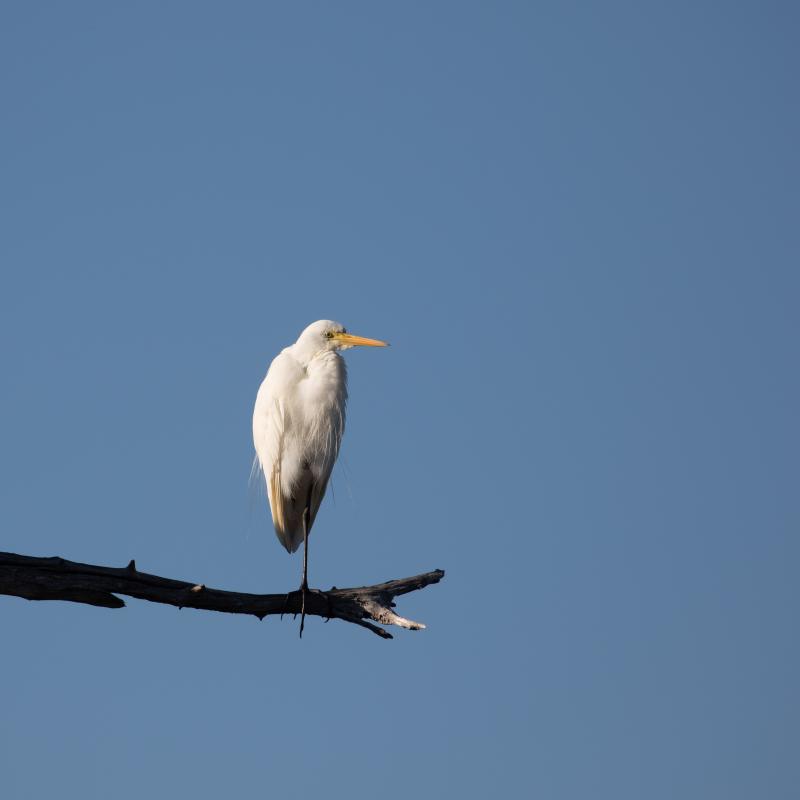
[(268, 435), (271, 422)]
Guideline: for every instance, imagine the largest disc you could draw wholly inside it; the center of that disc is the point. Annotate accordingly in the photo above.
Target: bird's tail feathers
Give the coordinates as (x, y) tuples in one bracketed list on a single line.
[(290, 539)]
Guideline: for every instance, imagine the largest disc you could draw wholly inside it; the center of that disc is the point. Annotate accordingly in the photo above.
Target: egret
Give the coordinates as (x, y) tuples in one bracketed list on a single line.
[(298, 422)]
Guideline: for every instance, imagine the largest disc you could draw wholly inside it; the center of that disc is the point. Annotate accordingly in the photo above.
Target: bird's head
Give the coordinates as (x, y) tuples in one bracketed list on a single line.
[(325, 334)]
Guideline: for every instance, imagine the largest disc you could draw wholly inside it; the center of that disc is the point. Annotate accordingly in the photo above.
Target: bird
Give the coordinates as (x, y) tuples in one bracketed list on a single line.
[(298, 424)]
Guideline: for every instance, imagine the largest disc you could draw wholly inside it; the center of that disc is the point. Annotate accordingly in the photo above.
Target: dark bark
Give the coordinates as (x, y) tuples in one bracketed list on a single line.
[(58, 579)]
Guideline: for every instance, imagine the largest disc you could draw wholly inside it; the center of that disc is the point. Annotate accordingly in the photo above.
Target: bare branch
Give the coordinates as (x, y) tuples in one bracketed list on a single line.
[(58, 579)]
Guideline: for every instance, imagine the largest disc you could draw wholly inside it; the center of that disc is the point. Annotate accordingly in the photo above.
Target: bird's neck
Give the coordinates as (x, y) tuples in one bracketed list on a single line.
[(314, 360), (327, 378)]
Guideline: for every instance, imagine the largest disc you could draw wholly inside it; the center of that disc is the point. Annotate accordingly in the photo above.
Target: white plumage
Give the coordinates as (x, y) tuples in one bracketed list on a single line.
[(298, 422)]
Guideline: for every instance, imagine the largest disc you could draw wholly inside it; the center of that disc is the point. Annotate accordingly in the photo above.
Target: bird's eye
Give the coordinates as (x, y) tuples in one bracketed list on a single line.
[(329, 334)]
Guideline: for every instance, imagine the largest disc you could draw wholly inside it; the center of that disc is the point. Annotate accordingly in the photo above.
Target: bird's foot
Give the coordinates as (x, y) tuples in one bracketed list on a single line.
[(304, 592)]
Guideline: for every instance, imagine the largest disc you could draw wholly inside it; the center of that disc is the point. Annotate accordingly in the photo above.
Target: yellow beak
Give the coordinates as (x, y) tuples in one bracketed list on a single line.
[(348, 340)]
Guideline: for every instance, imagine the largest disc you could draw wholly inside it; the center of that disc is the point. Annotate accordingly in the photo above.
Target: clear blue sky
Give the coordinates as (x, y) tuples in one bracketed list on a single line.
[(578, 226)]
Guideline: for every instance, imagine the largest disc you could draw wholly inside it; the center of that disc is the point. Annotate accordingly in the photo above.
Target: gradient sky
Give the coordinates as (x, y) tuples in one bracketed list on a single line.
[(578, 226)]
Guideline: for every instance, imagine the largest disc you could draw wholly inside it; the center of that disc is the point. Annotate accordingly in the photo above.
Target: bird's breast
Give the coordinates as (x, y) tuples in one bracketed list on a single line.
[(325, 386), (319, 412)]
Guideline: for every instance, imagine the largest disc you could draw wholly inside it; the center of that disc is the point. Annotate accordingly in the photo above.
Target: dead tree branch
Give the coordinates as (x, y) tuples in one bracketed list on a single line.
[(58, 579)]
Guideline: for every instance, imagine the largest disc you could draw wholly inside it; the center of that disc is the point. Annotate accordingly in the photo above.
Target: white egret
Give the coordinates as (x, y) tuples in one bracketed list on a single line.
[(298, 422)]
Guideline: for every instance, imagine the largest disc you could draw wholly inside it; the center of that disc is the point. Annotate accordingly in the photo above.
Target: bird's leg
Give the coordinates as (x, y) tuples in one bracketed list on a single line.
[(304, 584)]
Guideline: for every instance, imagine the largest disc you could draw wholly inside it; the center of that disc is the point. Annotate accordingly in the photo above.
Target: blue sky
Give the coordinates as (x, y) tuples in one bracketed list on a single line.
[(577, 225)]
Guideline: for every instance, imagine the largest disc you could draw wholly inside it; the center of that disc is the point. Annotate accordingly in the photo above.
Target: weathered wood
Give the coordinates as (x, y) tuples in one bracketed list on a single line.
[(58, 579)]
